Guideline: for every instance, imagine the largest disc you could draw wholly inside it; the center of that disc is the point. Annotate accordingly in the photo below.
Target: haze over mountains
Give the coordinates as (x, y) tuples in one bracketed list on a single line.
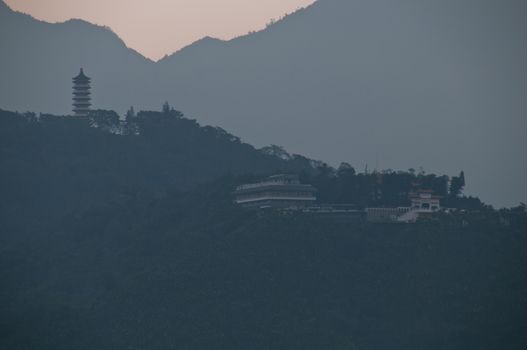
[(437, 84)]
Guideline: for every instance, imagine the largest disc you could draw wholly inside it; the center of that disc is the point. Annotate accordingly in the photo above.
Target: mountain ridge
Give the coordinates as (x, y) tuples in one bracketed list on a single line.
[(6, 10), (435, 84)]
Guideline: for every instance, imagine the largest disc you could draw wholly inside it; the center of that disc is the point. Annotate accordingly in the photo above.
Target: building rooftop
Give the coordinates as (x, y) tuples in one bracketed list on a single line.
[(280, 180), (424, 194)]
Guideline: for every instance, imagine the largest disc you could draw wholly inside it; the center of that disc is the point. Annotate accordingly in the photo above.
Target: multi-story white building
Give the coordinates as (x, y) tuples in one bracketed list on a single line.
[(278, 191)]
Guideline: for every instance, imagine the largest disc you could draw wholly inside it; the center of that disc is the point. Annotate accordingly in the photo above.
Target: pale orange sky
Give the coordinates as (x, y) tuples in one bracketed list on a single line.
[(159, 27)]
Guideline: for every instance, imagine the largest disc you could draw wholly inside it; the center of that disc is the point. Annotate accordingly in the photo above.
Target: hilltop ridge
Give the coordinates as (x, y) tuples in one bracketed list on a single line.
[(124, 233), (439, 84), (119, 238)]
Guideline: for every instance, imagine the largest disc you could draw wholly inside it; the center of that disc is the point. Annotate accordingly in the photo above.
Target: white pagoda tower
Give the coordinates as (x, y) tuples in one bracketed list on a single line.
[(81, 95)]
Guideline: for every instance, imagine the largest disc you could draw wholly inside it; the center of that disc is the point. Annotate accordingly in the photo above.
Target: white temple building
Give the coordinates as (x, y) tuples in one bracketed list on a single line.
[(278, 191), (424, 201), (423, 204)]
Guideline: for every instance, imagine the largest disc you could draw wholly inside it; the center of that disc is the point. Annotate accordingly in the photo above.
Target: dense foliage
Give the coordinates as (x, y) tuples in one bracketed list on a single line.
[(192, 271), (55, 165), (117, 235), (387, 188)]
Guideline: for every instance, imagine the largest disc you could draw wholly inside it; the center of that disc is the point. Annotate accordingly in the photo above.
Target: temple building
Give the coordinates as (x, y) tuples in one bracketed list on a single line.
[(278, 191), (423, 205), (81, 95), (425, 202)]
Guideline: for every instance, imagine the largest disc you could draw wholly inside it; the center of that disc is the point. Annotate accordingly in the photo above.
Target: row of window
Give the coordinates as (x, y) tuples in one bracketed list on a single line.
[(426, 206), (274, 194)]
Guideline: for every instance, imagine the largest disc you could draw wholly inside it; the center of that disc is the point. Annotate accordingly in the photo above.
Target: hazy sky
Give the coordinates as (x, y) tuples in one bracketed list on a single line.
[(159, 27)]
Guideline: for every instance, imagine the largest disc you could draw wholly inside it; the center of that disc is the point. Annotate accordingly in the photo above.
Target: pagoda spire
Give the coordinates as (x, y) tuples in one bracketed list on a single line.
[(81, 94)]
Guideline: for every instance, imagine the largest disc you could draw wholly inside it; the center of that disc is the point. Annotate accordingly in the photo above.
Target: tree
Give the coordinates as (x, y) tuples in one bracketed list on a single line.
[(131, 127), (457, 184), (30, 116), (325, 171), (522, 208), (130, 115), (276, 151), (104, 119), (345, 169), (166, 107)]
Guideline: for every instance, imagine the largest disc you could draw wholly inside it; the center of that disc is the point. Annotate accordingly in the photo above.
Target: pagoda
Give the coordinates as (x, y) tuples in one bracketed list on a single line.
[(81, 95)]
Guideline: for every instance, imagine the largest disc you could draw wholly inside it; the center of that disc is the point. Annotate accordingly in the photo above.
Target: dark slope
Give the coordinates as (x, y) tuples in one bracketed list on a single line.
[(60, 165), (194, 272), (438, 84)]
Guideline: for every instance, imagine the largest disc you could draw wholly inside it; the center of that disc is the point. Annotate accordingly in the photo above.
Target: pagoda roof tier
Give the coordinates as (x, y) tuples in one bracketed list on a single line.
[(81, 77), (81, 80)]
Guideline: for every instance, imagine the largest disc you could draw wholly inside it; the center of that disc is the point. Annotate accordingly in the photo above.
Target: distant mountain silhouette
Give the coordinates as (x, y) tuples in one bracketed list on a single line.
[(438, 84), (39, 59)]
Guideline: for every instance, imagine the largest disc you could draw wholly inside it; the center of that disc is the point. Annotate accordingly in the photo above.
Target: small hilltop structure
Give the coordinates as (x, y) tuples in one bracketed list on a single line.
[(423, 205), (81, 95)]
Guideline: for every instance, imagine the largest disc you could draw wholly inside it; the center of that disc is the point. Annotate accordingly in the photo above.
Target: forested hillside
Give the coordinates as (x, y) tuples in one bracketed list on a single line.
[(53, 166), (56, 165), (123, 234), (192, 271)]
